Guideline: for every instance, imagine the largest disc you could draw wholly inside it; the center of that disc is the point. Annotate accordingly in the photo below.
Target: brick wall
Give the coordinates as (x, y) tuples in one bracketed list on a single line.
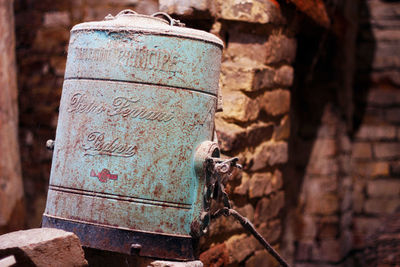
[(255, 81)]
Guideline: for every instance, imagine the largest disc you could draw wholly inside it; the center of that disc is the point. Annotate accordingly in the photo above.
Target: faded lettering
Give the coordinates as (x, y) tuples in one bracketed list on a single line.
[(96, 145), (121, 106)]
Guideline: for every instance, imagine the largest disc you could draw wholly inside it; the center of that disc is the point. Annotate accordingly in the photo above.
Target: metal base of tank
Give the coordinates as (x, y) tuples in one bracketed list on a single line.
[(126, 241)]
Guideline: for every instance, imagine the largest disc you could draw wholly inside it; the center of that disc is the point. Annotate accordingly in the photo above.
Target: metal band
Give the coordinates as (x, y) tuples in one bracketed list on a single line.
[(126, 241)]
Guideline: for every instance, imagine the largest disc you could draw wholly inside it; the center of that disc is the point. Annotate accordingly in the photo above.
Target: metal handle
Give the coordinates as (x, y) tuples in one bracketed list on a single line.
[(126, 12), (172, 22)]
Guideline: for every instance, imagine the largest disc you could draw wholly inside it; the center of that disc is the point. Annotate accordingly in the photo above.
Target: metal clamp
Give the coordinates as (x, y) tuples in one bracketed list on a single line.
[(172, 22), (126, 12)]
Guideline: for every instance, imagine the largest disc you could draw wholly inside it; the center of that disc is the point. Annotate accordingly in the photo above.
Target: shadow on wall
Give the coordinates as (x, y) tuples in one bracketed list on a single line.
[(332, 77)]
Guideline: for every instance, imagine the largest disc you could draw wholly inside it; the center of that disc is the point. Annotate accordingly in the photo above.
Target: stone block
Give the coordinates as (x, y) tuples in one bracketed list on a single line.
[(246, 211), (246, 48), (323, 167), (267, 11), (323, 148), (275, 183), (261, 258), (376, 132), (240, 247), (362, 150), (268, 208), (269, 153), (184, 7), (276, 102), (284, 76), (392, 115), (57, 19), (383, 188), (328, 250), (386, 150), (380, 97), (259, 132), (258, 183), (371, 169), (363, 227), (243, 188), (380, 206), (277, 48), (303, 251), (282, 131), (230, 135), (216, 256), (43, 247), (322, 204), (239, 107), (271, 231), (328, 227), (280, 48), (240, 76)]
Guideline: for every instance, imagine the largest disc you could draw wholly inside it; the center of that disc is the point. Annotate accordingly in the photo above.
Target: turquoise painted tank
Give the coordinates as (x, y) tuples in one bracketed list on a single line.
[(136, 123)]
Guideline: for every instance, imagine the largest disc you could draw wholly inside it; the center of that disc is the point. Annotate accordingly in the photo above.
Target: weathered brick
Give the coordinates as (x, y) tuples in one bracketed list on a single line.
[(323, 148), (269, 153), (230, 135), (383, 97), (280, 48), (362, 151), (282, 131), (380, 206), (271, 231), (307, 227), (268, 208), (260, 48), (261, 258), (315, 186), (284, 76), (239, 107), (217, 256), (383, 188), (376, 132), (323, 166), (363, 227), (246, 211), (267, 11), (56, 19), (275, 183), (328, 250), (239, 247), (243, 188), (276, 102), (392, 115), (258, 183), (259, 132), (322, 204), (328, 227), (386, 150), (371, 169), (358, 196), (245, 47), (183, 7), (303, 251), (241, 76), (43, 247)]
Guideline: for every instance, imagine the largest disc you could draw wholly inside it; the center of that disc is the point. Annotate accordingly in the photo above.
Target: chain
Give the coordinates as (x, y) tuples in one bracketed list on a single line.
[(217, 174)]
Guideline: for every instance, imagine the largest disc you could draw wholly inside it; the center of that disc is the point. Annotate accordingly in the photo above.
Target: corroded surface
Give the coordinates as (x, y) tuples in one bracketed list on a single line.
[(134, 108)]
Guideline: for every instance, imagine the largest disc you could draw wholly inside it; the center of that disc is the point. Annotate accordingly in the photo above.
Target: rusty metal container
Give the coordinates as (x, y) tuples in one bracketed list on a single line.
[(135, 123)]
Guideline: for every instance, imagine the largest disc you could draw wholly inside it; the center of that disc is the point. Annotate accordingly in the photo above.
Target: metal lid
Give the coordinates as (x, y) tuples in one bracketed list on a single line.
[(130, 21)]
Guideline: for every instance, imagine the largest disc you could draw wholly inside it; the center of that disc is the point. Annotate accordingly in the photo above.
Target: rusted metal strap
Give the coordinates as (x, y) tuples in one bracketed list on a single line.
[(250, 227)]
